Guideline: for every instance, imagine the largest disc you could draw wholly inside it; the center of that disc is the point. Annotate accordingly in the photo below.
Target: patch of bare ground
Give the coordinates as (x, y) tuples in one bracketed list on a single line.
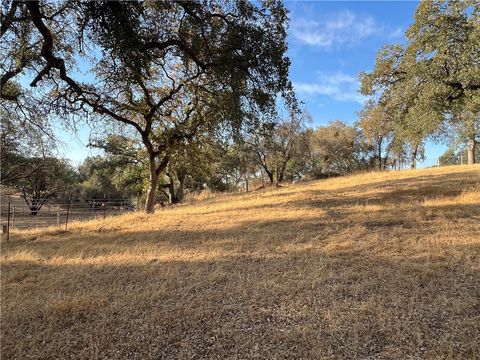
[(371, 266)]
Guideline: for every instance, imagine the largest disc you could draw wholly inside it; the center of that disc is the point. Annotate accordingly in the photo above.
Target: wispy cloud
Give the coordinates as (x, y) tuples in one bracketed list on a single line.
[(336, 85), (396, 33), (337, 29)]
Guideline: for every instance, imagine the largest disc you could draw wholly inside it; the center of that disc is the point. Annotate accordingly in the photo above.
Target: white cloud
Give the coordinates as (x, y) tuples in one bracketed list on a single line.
[(396, 33), (338, 29), (336, 85)]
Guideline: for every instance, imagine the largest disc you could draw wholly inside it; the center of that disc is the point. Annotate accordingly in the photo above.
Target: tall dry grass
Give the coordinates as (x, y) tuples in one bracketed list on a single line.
[(372, 266)]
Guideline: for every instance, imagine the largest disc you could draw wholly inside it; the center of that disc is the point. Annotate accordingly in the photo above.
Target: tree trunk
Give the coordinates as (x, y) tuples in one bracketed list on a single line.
[(380, 163), (270, 176), (171, 189), (155, 170), (413, 163), (34, 205), (281, 176), (152, 190), (181, 188), (471, 151)]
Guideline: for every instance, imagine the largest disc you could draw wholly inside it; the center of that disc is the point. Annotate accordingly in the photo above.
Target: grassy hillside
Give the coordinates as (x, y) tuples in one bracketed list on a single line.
[(378, 265)]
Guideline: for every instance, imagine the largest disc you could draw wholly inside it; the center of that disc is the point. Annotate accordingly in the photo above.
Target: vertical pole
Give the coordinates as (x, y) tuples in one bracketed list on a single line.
[(8, 222), (68, 212), (13, 217)]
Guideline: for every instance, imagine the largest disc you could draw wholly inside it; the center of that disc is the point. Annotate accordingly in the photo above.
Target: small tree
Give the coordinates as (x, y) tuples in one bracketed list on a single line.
[(52, 178), (377, 126), (337, 149), (276, 146)]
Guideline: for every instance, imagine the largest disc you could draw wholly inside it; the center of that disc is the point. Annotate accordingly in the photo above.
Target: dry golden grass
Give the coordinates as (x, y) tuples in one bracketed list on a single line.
[(371, 266)]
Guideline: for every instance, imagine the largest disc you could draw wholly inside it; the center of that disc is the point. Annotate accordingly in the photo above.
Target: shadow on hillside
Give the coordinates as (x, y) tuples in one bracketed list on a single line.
[(264, 292), (348, 303), (265, 235), (395, 192)]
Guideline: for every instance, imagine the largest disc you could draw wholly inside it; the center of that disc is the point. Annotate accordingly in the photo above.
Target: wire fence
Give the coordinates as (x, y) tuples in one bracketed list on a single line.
[(19, 215)]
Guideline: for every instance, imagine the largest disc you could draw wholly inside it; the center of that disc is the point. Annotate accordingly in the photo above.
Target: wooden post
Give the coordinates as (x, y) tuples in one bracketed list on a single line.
[(68, 212), (8, 222)]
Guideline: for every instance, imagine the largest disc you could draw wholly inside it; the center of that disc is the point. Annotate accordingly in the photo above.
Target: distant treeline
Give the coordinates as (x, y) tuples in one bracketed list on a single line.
[(183, 96), (284, 152)]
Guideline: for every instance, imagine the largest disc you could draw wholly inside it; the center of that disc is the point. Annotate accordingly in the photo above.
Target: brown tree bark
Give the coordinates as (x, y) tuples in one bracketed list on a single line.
[(413, 161), (471, 151), (181, 188), (270, 176), (155, 171), (379, 155), (151, 192)]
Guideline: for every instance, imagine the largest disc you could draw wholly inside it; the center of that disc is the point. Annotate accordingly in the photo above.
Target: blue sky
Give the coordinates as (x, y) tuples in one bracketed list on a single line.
[(330, 42)]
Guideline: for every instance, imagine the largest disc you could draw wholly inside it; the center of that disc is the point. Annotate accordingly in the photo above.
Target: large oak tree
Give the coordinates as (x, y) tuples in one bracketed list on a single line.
[(435, 78), (168, 70)]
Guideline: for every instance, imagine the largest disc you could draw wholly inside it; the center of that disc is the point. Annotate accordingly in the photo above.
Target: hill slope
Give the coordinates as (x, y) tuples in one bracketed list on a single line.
[(378, 265)]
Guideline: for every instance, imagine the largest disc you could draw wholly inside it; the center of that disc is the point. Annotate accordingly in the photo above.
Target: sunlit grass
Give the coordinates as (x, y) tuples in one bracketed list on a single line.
[(374, 265)]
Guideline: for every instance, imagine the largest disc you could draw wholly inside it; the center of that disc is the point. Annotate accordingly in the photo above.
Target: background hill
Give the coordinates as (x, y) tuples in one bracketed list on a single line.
[(376, 265)]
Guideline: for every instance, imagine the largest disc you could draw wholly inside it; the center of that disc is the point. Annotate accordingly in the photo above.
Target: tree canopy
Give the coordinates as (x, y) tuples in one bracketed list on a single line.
[(168, 70), (435, 78)]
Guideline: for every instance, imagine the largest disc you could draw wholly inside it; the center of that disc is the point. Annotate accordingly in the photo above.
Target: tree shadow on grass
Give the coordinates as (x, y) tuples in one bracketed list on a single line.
[(307, 303), (255, 289), (249, 236), (392, 191)]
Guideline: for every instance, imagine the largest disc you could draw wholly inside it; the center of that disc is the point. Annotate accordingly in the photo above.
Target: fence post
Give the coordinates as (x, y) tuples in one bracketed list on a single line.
[(68, 212), (8, 222)]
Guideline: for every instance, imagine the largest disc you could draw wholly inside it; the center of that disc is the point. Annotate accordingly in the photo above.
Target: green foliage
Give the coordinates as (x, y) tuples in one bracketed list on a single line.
[(46, 178), (168, 70), (378, 128), (278, 148), (435, 79), (337, 149), (456, 156), (121, 173)]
